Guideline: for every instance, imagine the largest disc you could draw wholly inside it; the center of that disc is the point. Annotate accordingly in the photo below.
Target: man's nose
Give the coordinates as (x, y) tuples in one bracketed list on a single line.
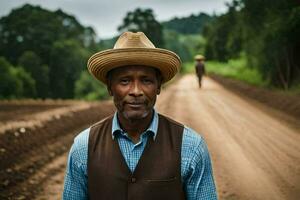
[(135, 89)]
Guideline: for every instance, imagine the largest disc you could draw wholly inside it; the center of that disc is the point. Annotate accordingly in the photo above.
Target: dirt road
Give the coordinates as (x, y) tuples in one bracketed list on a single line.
[(255, 156)]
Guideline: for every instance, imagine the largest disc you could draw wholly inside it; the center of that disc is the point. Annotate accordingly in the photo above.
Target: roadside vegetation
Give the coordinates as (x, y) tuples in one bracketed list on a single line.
[(236, 69), (233, 68), (267, 33)]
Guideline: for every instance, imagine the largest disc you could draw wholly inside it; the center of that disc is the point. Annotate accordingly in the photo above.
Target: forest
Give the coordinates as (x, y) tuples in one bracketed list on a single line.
[(43, 53)]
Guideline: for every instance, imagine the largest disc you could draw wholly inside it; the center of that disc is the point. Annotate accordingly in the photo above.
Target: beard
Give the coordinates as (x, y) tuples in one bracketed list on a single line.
[(135, 115), (134, 109)]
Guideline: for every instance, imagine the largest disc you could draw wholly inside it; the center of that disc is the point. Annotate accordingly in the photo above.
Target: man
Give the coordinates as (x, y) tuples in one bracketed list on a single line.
[(137, 153), (199, 68)]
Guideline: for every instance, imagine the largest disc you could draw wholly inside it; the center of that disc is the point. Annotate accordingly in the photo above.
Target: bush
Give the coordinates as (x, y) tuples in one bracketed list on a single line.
[(88, 88), (15, 82), (236, 69)]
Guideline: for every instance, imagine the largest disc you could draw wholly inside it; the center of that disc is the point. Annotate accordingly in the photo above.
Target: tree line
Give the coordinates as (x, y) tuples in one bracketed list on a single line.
[(43, 53), (265, 32)]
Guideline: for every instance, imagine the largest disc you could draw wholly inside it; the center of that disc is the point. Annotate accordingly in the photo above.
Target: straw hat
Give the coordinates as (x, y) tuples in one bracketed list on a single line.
[(199, 57), (134, 49)]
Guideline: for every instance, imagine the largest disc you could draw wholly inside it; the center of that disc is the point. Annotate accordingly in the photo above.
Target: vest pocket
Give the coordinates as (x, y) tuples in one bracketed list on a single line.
[(163, 189), (161, 180)]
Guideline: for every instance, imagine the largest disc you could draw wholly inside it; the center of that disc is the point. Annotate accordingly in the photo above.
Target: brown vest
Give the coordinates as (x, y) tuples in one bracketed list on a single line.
[(156, 176)]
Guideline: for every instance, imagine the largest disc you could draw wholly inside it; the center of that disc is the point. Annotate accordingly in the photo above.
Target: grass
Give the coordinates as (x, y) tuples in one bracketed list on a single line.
[(234, 69)]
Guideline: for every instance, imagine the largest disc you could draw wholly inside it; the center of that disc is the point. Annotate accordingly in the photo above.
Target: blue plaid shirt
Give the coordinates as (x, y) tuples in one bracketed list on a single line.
[(196, 170)]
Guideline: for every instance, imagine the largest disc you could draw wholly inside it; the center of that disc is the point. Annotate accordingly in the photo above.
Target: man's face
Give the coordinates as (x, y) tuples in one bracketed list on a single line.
[(134, 90)]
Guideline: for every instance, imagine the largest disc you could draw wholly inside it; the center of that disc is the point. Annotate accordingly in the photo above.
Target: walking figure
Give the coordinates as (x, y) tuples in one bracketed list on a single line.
[(199, 67)]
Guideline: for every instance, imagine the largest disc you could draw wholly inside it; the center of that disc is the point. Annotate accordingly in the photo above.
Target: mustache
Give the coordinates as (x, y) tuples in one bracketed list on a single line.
[(135, 100)]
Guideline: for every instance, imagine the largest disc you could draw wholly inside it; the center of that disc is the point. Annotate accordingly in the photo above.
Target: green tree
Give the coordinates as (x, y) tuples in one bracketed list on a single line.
[(267, 32), (144, 20), (106, 43), (14, 82), (185, 45), (174, 43), (88, 88), (192, 24), (9, 84), (67, 61), (51, 46), (224, 35), (272, 39), (32, 28), (28, 89), (39, 72)]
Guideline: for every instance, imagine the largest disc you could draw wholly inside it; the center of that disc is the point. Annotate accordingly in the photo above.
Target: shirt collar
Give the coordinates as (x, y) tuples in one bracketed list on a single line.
[(151, 129)]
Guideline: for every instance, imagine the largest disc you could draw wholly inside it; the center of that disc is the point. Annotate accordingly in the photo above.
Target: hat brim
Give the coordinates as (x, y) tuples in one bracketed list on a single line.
[(199, 58), (102, 62)]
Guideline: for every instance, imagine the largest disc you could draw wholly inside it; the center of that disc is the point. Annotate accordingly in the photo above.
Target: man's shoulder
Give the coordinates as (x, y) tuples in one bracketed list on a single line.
[(192, 134), (102, 121), (81, 140), (170, 120), (192, 139)]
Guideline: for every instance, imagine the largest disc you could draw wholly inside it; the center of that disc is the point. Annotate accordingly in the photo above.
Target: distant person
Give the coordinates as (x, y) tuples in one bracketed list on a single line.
[(199, 68), (137, 153)]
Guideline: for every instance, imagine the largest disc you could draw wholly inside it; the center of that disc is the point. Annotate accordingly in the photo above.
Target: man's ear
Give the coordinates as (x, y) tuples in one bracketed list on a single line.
[(158, 89)]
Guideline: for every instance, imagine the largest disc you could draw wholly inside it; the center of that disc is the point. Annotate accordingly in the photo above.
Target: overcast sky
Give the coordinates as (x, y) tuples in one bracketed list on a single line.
[(106, 15)]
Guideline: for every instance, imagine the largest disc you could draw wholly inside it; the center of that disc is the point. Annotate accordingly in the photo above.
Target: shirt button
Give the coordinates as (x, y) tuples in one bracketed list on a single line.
[(133, 180)]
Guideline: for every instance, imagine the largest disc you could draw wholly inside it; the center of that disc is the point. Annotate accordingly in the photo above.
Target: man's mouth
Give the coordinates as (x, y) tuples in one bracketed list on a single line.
[(135, 104)]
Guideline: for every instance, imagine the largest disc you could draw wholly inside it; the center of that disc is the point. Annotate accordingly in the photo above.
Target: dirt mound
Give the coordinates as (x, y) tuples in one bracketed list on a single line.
[(18, 110), (42, 135), (287, 103)]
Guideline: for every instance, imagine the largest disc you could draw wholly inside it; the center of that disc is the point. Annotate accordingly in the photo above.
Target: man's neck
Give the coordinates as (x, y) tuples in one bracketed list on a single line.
[(134, 128)]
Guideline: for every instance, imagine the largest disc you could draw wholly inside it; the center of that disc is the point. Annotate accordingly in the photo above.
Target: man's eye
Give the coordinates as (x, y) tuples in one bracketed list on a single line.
[(124, 81), (147, 81)]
